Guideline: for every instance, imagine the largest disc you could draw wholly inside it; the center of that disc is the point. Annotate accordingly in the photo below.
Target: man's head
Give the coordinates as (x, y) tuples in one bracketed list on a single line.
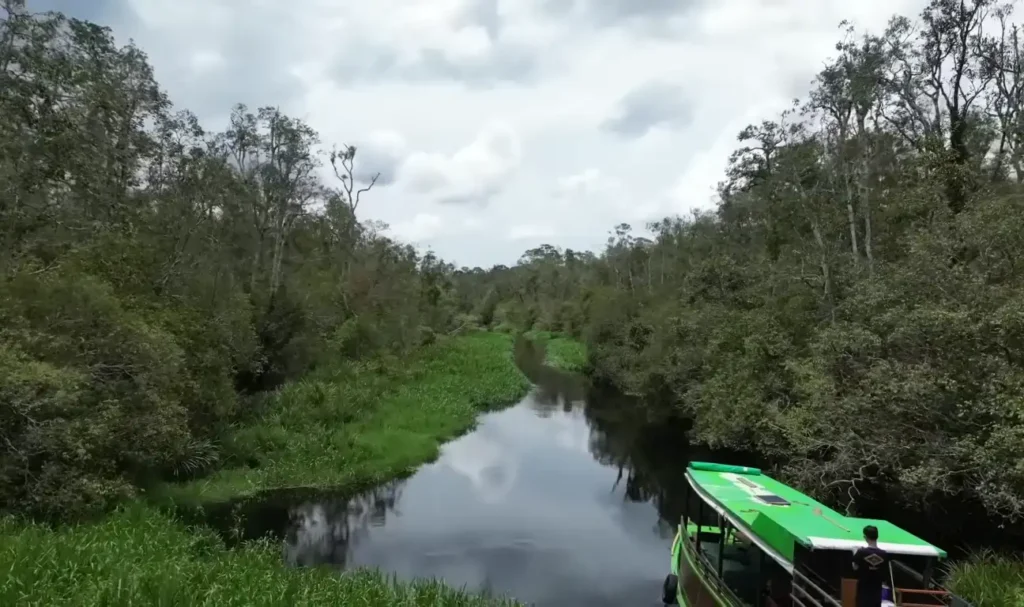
[(871, 534)]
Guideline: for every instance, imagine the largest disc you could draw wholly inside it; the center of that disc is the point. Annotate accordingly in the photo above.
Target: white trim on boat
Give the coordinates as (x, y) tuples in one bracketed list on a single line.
[(841, 544), (739, 524)]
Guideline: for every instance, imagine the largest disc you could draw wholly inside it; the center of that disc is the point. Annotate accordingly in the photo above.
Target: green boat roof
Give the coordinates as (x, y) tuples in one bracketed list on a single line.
[(778, 515)]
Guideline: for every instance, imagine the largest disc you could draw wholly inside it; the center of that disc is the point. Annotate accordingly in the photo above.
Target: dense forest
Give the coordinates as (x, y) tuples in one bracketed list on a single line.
[(851, 311), (154, 276), (853, 308)]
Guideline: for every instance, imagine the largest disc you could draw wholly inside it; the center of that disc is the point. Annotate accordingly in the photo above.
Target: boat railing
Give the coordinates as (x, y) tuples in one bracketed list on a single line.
[(820, 582), (710, 572), (806, 593), (935, 594)]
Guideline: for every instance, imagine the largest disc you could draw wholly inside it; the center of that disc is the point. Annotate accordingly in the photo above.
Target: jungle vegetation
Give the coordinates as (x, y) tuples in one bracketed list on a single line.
[(852, 308)]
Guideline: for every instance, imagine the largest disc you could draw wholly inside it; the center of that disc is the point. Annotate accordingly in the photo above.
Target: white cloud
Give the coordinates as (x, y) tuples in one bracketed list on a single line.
[(207, 60), (592, 189), (531, 231), (474, 173), (549, 120), (586, 184), (471, 223), (422, 226), (425, 229)]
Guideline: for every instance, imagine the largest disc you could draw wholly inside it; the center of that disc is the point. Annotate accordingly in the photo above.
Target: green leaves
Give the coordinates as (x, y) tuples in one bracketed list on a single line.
[(151, 272), (852, 307)]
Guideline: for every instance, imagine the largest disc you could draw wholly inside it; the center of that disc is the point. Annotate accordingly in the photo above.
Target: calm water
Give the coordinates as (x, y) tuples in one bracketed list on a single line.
[(518, 507), (555, 501), (567, 499)]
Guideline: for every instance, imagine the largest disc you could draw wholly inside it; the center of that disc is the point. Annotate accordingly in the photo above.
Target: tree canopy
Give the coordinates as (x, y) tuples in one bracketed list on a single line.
[(153, 273), (852, 308)]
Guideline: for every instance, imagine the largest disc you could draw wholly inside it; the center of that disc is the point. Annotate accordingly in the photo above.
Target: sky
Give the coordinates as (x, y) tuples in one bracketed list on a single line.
[(500, 125)]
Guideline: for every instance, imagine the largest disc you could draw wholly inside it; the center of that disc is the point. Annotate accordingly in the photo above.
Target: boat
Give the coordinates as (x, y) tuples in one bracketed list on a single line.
[(757, 542)]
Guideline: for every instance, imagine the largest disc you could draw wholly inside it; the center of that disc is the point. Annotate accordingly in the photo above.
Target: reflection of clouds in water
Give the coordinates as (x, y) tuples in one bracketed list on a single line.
[(544, 402), (327, 532), (571, 431), (316, 537), (486, 463), (563, 419), (538, 519)]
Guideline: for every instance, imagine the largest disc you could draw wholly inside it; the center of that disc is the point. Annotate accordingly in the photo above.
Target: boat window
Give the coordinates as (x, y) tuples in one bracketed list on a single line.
[(774, 500)]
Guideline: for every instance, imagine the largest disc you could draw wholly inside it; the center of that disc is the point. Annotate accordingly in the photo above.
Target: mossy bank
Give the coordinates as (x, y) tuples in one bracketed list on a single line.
[(355, 425), (347, 425), (561, 352)]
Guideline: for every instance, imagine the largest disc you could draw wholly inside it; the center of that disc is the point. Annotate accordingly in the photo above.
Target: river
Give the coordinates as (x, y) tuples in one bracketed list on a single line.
[(568, 498), (560, 500)]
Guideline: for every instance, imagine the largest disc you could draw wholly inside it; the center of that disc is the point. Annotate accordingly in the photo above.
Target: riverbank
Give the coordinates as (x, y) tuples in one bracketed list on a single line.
[(359, 425), (140, 556), (342, 426), (562, 353)]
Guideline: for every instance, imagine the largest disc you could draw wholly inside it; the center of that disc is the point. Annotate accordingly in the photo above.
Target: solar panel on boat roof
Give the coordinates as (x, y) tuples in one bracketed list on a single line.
[(773, 499)]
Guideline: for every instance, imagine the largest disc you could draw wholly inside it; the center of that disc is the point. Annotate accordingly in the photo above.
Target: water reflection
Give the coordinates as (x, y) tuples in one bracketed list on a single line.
[(485, 463), (566, 499), (329, 531)]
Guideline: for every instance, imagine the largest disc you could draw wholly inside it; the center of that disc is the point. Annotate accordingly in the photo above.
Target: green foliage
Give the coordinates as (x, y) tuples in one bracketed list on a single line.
[(852, 308), (560, 352), (93, 399), (138, 556), (358, 423), (989, 580), (150, 272)]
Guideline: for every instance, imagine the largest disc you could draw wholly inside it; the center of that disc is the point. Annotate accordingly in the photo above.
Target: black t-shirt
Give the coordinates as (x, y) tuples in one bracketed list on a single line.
[(872, 568)]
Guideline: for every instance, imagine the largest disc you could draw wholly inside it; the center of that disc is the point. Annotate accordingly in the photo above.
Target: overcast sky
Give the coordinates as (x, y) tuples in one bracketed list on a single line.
[(499, 125)]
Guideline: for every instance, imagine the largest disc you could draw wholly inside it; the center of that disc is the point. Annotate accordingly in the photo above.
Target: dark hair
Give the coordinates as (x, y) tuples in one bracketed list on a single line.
[(871, 533)]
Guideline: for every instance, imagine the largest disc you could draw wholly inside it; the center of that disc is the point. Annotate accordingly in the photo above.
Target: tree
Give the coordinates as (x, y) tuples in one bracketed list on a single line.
[(850, 309), (151, 272)]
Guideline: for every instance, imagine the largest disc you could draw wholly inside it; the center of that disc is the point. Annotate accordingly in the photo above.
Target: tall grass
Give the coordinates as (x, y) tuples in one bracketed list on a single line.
[(356, 425), (345, 426), (563, 353), (138, 556), (988, 579)]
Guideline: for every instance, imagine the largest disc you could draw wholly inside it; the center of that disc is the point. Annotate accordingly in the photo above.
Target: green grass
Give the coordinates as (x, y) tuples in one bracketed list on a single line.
[(989, 580), (563, 353), (139, 556), (352, 426), (346, 426)]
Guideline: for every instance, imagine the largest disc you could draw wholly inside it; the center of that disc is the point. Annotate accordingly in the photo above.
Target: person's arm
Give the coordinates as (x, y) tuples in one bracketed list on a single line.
[(856, 557)]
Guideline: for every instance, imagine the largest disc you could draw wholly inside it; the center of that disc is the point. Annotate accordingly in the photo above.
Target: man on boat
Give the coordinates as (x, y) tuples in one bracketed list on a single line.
[(872, 565)]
